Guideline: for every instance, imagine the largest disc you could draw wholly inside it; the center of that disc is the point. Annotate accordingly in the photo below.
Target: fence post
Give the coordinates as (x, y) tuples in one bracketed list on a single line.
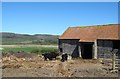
[(114, 59)]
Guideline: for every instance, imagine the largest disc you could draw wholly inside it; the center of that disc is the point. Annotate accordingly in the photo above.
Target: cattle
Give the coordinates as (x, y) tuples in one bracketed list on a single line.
[(64, 57), (50, 56)]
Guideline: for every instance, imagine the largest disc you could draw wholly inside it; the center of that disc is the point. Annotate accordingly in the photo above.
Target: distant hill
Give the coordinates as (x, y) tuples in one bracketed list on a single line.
[(25, 39)]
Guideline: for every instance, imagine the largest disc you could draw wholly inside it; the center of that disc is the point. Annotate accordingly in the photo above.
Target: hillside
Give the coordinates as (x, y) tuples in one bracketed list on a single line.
[(25, 39)]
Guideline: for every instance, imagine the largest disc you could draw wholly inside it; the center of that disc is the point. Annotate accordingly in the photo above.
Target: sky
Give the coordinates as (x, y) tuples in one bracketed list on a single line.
[(55, 17)]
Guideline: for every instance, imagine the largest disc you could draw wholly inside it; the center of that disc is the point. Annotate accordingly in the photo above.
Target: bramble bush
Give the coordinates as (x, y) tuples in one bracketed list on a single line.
[(44, 50)]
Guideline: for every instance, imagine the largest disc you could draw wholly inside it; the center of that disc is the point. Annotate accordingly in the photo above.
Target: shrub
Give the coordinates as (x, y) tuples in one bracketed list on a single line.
[(44, 50), (35, 51), (50, 50)]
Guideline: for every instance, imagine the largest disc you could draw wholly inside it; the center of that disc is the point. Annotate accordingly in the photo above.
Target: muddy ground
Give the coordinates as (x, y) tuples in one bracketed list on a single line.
[(32, 65)]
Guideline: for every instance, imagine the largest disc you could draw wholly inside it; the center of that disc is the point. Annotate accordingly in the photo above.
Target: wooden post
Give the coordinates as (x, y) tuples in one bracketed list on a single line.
[(114, 58), (79, 48), (95, 50)]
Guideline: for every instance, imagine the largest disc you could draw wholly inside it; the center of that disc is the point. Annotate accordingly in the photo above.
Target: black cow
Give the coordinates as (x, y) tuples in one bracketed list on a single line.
[(50, 56), (64, 57)]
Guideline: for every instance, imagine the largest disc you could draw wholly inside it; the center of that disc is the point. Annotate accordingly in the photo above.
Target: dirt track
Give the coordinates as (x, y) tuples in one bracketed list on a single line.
[(37, 67)]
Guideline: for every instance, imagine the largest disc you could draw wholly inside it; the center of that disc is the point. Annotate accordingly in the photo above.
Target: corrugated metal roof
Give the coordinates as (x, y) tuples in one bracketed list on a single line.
[(91, 33)]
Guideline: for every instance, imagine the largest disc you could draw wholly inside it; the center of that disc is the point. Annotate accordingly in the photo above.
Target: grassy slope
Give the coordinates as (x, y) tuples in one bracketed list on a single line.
[(38, 39)]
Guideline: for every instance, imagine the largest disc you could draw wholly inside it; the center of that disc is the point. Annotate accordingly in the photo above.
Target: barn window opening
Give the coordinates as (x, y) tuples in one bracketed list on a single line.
[(86, 50), (116, 44)]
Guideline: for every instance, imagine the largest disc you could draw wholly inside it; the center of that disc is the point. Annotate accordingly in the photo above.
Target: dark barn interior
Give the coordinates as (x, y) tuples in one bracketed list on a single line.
[(86, 50), (116, 44)]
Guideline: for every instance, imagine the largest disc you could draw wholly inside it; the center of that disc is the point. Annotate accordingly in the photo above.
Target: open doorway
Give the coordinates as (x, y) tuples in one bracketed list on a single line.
[(86, 50), (116, 44)]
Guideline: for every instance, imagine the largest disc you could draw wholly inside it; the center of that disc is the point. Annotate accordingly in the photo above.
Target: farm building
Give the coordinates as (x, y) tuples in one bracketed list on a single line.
[(91, 41)]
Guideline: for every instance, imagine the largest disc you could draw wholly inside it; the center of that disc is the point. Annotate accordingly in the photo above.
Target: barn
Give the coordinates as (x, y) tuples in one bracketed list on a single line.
[(91, 42)]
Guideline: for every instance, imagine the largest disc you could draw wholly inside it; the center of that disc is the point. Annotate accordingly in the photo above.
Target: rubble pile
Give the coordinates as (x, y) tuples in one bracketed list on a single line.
[(19, 54), (35, 66), (20, 60), (12, 65)]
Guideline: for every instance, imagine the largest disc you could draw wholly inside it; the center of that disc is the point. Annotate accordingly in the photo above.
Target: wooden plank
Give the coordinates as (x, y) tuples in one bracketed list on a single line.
[(114, 58)]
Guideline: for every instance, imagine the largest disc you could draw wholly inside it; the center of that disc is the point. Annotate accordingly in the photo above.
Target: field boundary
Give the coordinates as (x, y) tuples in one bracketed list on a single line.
[(17, 46)]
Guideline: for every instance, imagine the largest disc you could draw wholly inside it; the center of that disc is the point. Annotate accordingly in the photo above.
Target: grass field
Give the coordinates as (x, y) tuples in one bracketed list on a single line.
[(30, 48), (19, 46)]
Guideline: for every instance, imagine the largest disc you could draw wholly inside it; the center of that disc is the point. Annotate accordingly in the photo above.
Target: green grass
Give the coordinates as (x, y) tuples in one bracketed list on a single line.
[(37, 50), (0, 51), (26, 49)]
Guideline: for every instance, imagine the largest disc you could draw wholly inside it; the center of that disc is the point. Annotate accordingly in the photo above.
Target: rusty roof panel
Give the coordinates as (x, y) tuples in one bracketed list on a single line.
[(90, 34), (119, 31)]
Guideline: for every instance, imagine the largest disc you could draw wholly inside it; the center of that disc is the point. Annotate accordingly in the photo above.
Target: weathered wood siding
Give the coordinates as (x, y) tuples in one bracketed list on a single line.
[(69, 46), (105, 48)]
